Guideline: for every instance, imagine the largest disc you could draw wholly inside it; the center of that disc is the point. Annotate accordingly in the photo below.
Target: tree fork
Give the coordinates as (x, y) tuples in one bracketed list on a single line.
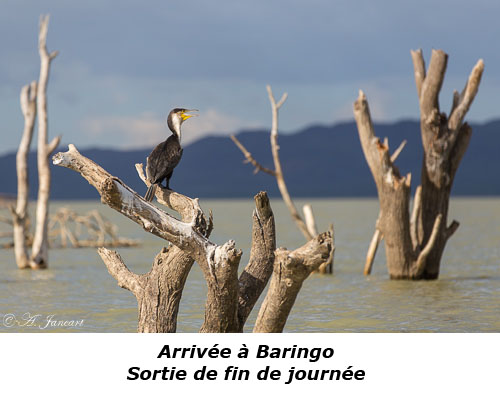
[(445, 140)]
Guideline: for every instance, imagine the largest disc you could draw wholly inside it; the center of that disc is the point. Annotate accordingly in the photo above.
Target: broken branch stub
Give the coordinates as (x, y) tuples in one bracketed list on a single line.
[(291, 268)]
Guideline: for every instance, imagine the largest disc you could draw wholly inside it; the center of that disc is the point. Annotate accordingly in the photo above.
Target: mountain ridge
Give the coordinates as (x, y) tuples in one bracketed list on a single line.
[(318, 161)]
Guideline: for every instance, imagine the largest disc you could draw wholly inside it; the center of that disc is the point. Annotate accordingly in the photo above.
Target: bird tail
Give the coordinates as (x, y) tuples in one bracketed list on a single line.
[(150, 193)]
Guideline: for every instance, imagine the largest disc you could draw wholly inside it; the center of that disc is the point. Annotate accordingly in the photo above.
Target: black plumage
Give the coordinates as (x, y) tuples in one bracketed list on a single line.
[(165, 157), (161, 163)]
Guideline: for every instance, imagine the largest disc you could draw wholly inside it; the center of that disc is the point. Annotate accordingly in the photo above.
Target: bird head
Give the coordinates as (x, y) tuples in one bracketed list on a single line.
[(176, 117)]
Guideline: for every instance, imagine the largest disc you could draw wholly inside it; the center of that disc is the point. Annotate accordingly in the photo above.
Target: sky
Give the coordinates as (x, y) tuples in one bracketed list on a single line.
[(122, 65)]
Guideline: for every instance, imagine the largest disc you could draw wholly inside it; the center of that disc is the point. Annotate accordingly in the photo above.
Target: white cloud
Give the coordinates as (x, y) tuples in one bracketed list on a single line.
[(149, 129)]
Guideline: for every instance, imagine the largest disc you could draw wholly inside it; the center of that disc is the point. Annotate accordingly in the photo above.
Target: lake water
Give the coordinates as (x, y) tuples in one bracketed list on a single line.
[(465, 298)]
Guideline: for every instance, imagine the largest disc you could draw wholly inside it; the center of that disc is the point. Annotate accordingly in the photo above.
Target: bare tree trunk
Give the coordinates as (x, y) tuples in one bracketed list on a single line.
[(377, 235), (405, 260), (20, 213), (308, 228), (414, 246), (39, 256), (229, 299), (445, 140)]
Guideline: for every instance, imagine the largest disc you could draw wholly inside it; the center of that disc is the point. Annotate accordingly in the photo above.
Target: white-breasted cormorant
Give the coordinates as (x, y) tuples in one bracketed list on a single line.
[(165, 157)]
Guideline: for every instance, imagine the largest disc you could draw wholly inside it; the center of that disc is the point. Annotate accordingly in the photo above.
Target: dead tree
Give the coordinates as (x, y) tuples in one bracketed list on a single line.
[(377, 235), (39, 251), (20, 212), (229, 299), (307, 227), (414, 245), (67, 228)]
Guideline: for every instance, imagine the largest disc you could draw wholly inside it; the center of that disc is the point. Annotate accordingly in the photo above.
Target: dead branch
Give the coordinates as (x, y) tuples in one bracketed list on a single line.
[(39, 256), (429, 246), (372, 250), (275, 106), (68, 225), (20, 213), (462, 103), (415, 215), (291, 268), (250, 159), (118, 270), (310, 221), (307, 228)]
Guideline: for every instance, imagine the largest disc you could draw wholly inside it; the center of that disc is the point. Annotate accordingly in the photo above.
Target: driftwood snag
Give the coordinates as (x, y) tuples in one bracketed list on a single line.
[(229, 299), (67, 228), (414, 245)]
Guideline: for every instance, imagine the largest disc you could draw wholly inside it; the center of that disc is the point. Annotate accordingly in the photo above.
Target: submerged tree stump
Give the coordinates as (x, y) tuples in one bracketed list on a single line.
[(229, 299), (414, 245)]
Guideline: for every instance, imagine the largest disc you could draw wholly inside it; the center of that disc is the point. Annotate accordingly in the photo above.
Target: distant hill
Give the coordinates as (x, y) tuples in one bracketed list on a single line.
[(319, 161)]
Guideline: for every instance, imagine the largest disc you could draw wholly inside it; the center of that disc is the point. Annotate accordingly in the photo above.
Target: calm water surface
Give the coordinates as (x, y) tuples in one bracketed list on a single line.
[(466, 298)]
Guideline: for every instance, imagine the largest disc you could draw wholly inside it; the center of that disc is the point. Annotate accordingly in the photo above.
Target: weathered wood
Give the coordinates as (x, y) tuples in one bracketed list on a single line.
[(307, 227), (89, 230), (415, 216), (159, 292), (403, 261), (280, 179), (377, 235), (256, 274), (291, 268), (20, 213), (310, 221), (219, 264), (445, 141), (250, 159), (372, 251), (414, 246), (229, 300), (39, 253)]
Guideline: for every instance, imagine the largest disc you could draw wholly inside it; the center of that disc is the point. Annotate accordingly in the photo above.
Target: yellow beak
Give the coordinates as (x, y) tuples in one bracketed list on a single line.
[(186, 116)]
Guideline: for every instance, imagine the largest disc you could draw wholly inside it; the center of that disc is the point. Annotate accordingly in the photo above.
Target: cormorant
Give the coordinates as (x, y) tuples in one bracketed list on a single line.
[(165, 157)]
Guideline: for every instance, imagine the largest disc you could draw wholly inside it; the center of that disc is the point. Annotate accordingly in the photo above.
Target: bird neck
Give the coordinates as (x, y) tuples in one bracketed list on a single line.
[(175, 128), (176, 136)]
